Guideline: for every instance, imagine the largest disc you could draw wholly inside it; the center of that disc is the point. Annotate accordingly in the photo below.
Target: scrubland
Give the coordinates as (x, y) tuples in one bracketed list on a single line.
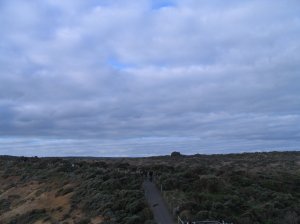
[(246, 188), (52, 190)]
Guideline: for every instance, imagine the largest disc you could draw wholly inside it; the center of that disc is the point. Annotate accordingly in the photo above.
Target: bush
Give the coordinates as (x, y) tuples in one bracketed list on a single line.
[(64, 191), (30, 217), (135, 206), (4, 206), (133, 220), (84, 221), (175, 154)]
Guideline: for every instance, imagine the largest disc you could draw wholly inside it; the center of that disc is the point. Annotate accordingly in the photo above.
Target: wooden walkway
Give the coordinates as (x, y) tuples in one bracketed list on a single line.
[(157, 204)]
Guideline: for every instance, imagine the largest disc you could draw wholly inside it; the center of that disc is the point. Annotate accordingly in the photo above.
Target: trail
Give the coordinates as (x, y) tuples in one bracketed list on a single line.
[(157, 204)]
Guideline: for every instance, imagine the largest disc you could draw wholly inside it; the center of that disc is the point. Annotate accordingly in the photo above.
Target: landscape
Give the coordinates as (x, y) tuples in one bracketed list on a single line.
[(243, 188), (149, 112)]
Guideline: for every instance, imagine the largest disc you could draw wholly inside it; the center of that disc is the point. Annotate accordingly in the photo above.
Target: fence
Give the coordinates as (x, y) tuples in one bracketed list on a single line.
[(180, 221), (171, 207)]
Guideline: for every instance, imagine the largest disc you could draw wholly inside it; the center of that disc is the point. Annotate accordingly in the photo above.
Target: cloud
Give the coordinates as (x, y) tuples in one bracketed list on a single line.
[(147, 77)]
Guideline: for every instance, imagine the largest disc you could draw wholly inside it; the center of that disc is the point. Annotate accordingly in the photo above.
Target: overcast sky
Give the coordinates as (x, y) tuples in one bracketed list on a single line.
[(147, 77)]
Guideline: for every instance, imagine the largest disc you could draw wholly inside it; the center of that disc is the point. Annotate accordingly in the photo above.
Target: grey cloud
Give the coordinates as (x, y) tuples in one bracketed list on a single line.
[(128, 78)]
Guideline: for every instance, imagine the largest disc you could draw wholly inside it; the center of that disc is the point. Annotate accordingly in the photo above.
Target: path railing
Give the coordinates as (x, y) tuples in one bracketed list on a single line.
[(180, 221), (171, 207)]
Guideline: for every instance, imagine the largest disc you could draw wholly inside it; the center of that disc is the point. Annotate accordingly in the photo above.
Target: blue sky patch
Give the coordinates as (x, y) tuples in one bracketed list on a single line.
[(156, 4)]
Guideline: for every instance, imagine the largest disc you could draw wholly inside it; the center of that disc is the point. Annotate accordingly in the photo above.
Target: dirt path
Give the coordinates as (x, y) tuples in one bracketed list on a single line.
[(157, 204)]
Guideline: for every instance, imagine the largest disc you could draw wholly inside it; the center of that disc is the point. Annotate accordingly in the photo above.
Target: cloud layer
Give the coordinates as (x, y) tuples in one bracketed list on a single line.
[(147, 77)]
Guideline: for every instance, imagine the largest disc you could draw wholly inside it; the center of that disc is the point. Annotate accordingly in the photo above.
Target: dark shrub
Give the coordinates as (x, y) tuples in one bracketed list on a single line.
[(133, 220), (175, 154), (30, 217), (84, 221), (4, 206), (135, 206), (64, 191)]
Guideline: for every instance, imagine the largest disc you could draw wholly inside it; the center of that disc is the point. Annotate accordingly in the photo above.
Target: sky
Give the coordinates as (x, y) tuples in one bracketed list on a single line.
[(148, 77)]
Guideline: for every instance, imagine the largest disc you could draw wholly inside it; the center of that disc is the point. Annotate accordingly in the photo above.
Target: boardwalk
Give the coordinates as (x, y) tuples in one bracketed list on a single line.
[(156, 203)]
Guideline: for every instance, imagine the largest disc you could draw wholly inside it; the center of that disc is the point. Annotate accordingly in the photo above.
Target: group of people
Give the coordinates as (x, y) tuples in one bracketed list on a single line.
[(148, 175)]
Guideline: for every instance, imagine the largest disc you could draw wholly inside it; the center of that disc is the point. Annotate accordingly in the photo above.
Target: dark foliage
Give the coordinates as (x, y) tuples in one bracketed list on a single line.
[(30, 217), (238, 188)]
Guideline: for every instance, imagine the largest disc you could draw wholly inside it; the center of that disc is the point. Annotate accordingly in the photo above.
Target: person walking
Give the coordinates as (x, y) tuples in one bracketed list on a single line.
[(151, 175)]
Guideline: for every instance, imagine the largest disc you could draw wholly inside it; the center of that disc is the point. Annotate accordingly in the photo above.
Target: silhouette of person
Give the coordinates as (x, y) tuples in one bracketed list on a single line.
[(151, 175)]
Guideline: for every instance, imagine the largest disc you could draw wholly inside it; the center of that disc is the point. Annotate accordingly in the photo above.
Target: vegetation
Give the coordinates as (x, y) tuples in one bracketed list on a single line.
[(52, 190), (239, 188)]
